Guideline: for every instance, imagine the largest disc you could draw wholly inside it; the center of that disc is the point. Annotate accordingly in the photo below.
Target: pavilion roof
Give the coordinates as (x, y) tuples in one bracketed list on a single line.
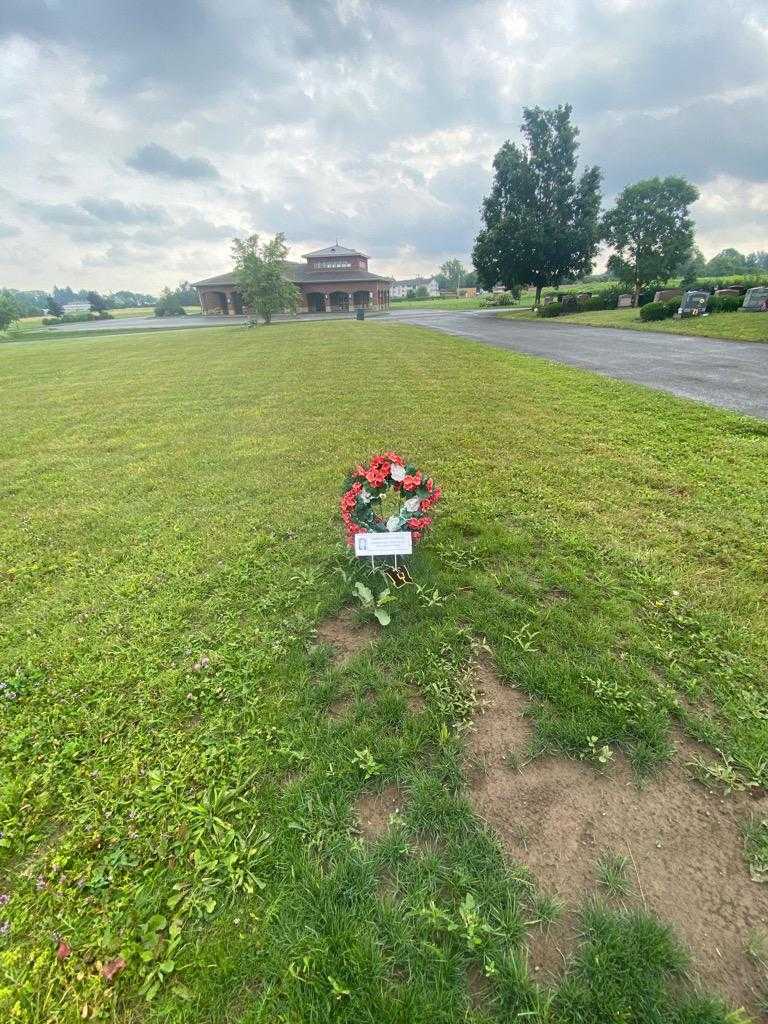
[(301, 274), (334, 250)]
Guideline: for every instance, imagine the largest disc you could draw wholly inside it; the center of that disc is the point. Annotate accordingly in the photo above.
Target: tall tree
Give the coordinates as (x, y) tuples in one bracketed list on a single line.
[(541, 221), (54, 308), (650, 230), (692, 267), (728, 261), (260, 273), (757, 261), (9, 311), (98, 305), (452, 274)]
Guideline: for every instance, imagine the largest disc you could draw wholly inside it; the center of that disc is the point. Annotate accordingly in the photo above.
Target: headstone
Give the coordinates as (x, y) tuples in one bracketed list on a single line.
[(625, 300), (547, 300), (667, 294), (583, 296), (756, 301), (728, 291), (694, 303), (569, 304)]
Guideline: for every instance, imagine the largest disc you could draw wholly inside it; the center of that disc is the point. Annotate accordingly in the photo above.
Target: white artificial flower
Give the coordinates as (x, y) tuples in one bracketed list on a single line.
[(397, 472), (366, 497), (412, 505), (393, 524)]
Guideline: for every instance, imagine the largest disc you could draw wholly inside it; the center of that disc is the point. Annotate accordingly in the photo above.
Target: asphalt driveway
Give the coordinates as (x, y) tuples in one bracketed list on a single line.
[(733, 375)]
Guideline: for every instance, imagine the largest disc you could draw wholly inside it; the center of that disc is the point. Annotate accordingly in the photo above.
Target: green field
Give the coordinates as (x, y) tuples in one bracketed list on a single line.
[(727, 326), (187, 770), (35, 323)]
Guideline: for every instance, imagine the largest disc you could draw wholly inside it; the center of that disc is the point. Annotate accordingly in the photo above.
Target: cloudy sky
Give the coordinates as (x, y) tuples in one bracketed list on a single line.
[(137, 138)]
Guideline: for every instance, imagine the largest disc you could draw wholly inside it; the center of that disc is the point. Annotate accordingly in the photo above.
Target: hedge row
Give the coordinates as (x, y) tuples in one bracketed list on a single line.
[(75, 318), (649, 310)]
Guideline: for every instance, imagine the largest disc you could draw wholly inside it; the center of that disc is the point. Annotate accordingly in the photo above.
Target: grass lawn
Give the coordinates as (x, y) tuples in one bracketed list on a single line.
[(202, 798), (35, 323), (728, 326)]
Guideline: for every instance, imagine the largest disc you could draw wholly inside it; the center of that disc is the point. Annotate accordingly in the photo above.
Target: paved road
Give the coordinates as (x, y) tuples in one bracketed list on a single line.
[(730, 374)]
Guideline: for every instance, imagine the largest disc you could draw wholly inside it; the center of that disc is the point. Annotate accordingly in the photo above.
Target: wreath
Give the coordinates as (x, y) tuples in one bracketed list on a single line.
[(365, 486)]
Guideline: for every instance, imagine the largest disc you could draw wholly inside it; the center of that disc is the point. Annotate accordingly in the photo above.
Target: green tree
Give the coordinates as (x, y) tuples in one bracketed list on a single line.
[(9, 311), (54, 308), (260, 273), (757, 261), (650, 230), (692, 267), (452, 274), (727, 262), (541, 223), (98, 305), (169, 304)]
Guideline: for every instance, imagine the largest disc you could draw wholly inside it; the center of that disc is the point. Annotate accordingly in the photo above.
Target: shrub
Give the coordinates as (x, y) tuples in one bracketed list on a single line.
[(552, 309), (647, 296), (589, 305), (75, 318), (724, 303), (169, 304), (655, 311), (499, 299), (610, 297)]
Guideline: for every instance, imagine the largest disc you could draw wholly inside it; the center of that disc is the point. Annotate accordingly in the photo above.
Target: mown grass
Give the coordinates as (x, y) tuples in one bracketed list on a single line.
[(173, 791), (29, 324), (726, 326)]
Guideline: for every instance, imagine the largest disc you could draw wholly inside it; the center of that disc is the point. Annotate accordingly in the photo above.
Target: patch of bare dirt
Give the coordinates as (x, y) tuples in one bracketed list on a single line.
[(555, 595), (683, 841), (499, 723), (374, 810), (416, 702), (345, 636), (549, 948), (339, 709), (479, 987)]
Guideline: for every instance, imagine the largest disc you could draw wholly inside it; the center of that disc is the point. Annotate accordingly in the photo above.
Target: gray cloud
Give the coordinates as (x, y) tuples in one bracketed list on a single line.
[(114, 211), (373, 120), (155, 159)]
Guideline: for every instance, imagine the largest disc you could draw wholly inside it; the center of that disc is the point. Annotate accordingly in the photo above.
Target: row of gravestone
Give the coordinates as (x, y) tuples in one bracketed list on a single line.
[(755, 299)]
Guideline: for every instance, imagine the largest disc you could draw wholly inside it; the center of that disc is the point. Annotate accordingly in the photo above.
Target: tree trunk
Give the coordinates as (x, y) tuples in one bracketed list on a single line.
[(537, 300), (637, 289)]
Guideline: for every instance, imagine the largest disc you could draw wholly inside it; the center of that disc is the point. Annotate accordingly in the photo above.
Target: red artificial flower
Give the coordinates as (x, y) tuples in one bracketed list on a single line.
[(394, 457), (411, 482)]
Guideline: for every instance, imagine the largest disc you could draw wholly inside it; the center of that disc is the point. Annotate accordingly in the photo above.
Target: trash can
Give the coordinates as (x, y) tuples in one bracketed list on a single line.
[(360, 314)]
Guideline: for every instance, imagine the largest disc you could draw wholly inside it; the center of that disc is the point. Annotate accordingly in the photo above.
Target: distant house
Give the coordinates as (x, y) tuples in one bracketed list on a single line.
[(400, 289), (76, 307)]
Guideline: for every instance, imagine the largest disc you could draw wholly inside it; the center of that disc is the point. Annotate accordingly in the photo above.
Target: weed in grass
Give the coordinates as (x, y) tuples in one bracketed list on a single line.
[(612, 875), (756, 844)]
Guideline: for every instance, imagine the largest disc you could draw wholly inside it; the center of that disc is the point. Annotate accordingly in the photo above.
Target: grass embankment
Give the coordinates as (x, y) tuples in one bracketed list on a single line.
[(175, 794), (726, 326)]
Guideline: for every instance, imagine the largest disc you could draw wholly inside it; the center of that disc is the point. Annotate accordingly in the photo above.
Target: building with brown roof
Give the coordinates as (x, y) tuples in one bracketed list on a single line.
[(334, 279)]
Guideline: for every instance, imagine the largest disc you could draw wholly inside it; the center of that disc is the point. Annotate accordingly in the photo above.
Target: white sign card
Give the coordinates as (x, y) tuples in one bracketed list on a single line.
[(369, 545)]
